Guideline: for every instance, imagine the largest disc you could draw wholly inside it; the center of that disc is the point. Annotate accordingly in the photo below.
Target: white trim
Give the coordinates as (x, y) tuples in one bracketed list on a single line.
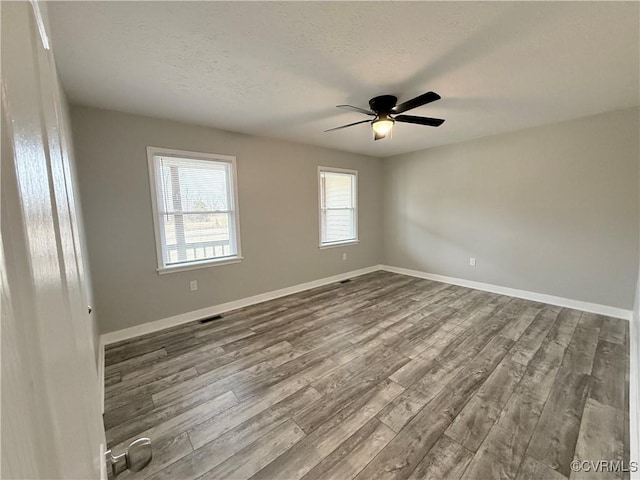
[(512, 292), (40, 23), (127, 333), (172, 152), (101, 360), (634, 390), (234, 231), (183, 267), (103, 464), (339, 244), (356, 239), (634, 403), (157, 231)]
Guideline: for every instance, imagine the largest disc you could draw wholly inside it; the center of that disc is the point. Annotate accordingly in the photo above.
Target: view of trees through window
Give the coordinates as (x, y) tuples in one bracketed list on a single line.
[(196, 209)]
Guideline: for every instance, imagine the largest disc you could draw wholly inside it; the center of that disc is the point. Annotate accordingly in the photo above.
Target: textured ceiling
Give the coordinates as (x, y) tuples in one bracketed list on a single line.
[(278, 69)]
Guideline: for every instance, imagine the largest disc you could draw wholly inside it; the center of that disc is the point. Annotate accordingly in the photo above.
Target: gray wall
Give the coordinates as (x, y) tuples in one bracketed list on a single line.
[(552, 209), (278, 199)]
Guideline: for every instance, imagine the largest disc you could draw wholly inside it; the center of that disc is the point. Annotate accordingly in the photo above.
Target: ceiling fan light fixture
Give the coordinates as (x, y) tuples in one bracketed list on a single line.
[(382, 107), (382, 125)]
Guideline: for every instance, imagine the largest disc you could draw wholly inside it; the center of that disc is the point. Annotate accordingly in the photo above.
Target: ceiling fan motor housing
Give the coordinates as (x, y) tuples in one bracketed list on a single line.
[(383, 103)]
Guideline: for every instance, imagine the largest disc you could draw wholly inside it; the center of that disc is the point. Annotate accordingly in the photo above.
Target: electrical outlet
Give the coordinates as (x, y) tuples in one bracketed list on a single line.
[(472, 261), (344, 256), (193, 285)]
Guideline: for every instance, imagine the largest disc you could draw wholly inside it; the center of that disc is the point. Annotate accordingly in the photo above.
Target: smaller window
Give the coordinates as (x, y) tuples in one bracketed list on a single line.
[(194, 208), (338, 206)]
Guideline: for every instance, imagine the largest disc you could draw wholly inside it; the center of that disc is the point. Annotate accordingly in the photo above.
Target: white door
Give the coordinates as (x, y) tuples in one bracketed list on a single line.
[(51, 421)]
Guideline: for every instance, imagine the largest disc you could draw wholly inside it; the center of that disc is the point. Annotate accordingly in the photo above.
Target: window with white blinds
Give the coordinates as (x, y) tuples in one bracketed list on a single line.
[(195, 208), (338, 206)]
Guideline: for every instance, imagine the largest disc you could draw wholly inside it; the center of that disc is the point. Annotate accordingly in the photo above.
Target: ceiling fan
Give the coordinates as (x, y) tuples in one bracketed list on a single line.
[(386, 112)]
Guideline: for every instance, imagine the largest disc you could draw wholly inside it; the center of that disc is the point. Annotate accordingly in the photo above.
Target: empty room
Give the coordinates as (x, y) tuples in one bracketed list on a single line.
[(320, 240)]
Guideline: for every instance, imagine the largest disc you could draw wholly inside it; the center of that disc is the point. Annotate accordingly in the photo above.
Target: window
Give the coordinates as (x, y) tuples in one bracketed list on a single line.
[(338, 206), (194, 207)]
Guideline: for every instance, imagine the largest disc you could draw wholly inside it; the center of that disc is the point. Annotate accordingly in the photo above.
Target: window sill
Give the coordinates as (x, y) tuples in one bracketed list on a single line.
[(197, 265), (338, 244)]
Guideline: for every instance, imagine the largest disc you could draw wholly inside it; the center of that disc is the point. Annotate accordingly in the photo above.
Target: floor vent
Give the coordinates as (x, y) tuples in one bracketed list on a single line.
[(211, 319), (345, 281)]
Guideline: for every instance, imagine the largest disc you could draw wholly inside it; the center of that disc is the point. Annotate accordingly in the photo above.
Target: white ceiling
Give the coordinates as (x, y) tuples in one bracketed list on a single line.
[(279, 69)]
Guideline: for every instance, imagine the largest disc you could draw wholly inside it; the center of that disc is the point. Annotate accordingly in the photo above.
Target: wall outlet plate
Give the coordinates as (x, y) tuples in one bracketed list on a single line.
[(193, 285), (472, 261)]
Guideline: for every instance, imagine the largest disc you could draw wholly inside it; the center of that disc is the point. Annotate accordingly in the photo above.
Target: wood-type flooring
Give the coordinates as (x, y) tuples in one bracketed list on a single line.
[(383, 377)]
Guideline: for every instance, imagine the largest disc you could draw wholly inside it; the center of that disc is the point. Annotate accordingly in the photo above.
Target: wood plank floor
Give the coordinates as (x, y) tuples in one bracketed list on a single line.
[(383, 377)]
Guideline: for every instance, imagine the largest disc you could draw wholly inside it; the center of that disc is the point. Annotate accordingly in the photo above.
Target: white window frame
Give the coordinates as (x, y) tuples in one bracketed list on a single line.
[(323, 245), (159, 232)]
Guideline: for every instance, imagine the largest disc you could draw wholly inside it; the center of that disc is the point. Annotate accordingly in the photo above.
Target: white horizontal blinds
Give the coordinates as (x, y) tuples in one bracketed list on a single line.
[(337, 206), (195, 206)]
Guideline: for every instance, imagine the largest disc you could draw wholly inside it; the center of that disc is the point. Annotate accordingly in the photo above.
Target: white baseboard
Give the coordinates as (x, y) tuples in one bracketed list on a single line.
[(132, 332), (512, 292)]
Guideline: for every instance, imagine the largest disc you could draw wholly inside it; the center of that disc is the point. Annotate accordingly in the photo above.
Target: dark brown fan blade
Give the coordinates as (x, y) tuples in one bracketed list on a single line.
[(431, 122), (416, 102), (348, 125), (357, 109), (378, 136)]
